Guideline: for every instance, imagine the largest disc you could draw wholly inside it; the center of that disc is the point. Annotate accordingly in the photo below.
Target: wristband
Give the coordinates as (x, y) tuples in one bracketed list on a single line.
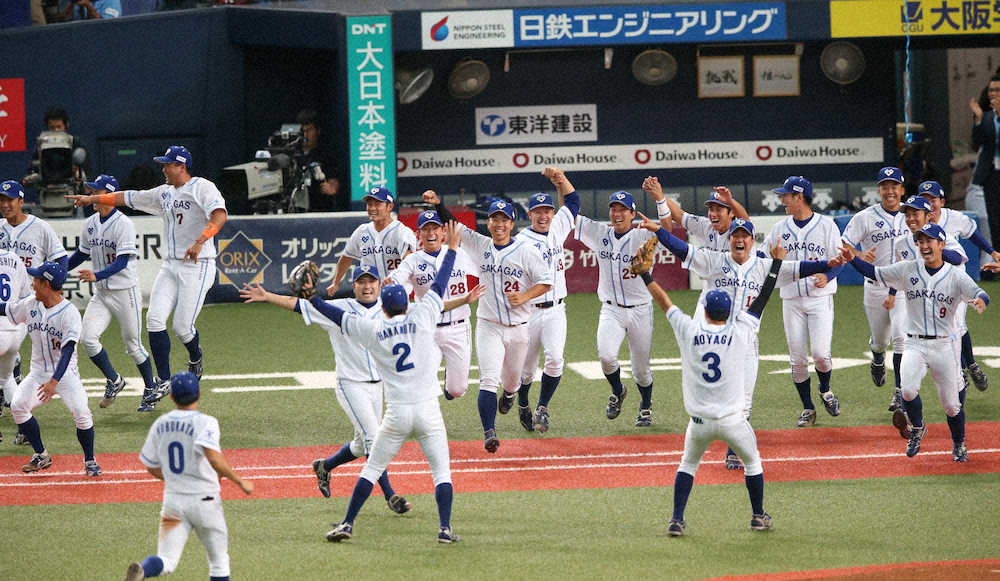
[(209, 231), (646, 278), (662, 209), (107, 199)]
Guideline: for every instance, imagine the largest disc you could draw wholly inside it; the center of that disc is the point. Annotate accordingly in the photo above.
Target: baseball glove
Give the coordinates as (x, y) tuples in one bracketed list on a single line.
[(643, 259), (302, 280)]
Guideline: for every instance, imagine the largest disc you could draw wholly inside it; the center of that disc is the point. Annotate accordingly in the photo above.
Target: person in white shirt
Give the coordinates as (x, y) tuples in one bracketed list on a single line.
[(183, 450)]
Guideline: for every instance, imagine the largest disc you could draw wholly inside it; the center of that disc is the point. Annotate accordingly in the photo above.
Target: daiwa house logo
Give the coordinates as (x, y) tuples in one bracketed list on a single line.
[(493, 125), (439, 31)]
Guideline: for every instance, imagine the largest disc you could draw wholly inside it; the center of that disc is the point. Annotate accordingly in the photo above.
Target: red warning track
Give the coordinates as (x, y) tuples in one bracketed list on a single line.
[(974, 570), (529, 464)]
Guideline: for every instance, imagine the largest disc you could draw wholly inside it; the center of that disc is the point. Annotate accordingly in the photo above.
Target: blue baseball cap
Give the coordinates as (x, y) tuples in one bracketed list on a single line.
[(394, 297), (379, 193), (715, 198), (796, 185), (741, 223), (931, 188), (362, 270), (890, 174), (53, 272), (930, 229), (104, 182), (918, 203), (12, 189), (505, 208), (541, 200), (175, 154), (623, 198), (428, 217), (718, 302), (184, 385)]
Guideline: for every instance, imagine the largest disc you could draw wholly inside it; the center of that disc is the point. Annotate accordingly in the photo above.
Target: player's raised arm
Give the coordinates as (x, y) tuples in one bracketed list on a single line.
[(255, 293), (108, 199), (567, 193), (726, 196), (673, 243), (453, 238), (664, 211), (757, 306), (466, 299), (660, 296)]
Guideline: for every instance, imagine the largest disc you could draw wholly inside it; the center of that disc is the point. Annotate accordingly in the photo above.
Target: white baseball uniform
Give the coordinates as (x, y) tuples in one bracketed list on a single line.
[(712, 383), (192, 499), (453, 335), (15, 284), (180, 287), (931, 329), (626, 310), (957, 225), (49, 329), (501, 329), (700, 227), (807, 310), (404, 351), (118, 295), (547, 326), (384, 250), (359, 384), (876, 228)]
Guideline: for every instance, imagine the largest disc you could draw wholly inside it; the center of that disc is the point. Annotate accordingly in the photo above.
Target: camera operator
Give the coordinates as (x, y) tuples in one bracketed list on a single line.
[(57, 119), (322, 192)]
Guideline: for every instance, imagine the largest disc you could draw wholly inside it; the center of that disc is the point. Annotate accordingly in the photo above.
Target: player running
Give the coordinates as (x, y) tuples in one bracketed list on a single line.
[(807, 306), (514, 273), (54, 327), (382, 243), (187, 443), (712, 231), (108, 241), (933, 290), (547, 327), (193, 211), (402, 345)]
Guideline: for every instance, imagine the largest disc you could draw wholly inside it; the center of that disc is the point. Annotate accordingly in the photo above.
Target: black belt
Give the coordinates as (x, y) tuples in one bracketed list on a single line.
[(451, 323), (925, 336), (209, 498), (548, 304), (622, 306)]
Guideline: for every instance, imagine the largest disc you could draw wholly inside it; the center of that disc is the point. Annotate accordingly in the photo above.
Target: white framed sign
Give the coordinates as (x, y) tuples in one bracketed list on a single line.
[(776, 76), (721, 76)]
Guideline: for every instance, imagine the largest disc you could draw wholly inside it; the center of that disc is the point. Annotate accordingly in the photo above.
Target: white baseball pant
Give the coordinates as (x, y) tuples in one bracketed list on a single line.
[(884, 325), (10, 345), (500, 350), (455, 343), (733, 429), (942, 357), (362, 403), (70, 389), (808, 321), (180, 288), (180, 514), (422, 420), (614, 325), (546, 330), (125, 306)]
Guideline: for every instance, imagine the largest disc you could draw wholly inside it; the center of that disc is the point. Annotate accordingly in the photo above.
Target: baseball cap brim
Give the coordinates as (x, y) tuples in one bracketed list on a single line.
[(12, 194), (716, 202), (164, 159)]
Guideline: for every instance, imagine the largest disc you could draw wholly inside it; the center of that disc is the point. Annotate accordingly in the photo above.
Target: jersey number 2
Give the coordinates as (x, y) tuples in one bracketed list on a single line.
[(175, 457), (403, 351), (713, 365)]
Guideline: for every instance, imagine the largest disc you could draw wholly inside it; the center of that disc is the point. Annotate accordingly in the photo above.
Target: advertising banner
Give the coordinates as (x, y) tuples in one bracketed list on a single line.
[(884, 18), (371, 103), (538, 124), (12, 119)]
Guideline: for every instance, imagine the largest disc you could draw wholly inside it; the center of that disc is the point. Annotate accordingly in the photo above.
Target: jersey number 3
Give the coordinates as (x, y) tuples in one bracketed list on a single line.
[(403, 351), (713, 365)]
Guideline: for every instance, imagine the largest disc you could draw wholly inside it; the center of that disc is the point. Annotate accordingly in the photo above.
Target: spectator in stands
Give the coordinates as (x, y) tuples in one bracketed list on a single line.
[(323, 193), (89, 9), (986, 139)]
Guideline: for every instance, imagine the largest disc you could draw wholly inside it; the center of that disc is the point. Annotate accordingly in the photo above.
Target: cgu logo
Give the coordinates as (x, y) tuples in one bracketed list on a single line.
[(911, 15), (359, 29)]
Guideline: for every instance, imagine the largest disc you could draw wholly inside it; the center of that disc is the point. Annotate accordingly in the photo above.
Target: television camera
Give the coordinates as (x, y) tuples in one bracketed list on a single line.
[(55, 171)]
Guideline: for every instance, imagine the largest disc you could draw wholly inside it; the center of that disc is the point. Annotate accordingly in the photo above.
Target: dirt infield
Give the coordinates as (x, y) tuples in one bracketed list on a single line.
[(951, 570), (529, 464)]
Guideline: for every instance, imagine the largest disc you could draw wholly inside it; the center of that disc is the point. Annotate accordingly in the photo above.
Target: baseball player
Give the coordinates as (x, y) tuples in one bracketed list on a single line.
[(183, 450), (383, 242), (807, 306), (108, 241), (547, 326), (15, 284), (916, 211), (54, 327), (625, 309), (193, 211), (741, 272), (359, 384), (958, 225), (454, 331), (933, 290), (514, 273), (402, 345), (33, 240), (877, 228), (712, 352), (712, 231)]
